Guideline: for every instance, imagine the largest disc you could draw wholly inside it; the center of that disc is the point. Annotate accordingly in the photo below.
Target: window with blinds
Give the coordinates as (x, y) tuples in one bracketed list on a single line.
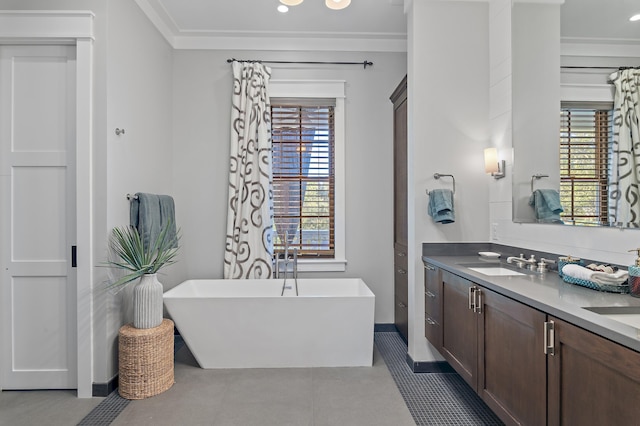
[(303, 139), (585, 139)]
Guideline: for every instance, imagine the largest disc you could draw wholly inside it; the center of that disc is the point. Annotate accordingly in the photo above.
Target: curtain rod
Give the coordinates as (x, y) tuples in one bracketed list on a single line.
[(363, 63)]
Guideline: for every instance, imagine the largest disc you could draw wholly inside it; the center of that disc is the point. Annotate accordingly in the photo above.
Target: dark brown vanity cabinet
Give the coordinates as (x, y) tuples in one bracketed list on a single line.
[(495, 344), (400, 218), (432, 305), (529, 367), (591, 380)]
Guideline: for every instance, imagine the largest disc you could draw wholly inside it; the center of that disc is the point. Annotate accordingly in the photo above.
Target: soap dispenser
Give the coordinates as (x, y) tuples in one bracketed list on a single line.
[(634, 276)]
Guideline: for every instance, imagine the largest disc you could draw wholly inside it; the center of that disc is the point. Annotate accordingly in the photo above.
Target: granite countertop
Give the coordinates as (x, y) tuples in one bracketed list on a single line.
[(548, 293)]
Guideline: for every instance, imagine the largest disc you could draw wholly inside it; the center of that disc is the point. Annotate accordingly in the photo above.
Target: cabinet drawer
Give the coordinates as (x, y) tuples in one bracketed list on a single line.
[(432, 305), (401, 283), (433, 331), (400, 256), (432, 279), (401, 317)]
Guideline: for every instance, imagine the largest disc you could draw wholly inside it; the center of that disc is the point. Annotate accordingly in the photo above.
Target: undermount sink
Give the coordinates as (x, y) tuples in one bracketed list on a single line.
[(629, 315), (495, 271)]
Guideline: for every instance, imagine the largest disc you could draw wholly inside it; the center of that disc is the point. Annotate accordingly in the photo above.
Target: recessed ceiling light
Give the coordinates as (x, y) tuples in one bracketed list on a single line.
[(282, 8), (337, 4), (291, 2), (635, 17)]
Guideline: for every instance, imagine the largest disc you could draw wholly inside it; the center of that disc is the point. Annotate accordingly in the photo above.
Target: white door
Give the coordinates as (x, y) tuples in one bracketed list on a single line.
[(37, 217)]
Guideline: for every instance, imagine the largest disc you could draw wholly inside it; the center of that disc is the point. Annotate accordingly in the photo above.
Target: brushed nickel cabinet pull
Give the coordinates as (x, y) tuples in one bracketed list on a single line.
[(472, 298), (402, 271), (430, 321), (478, 305), (402, 305), (429, 267), (429, 294), (549, 338), (401, 254)]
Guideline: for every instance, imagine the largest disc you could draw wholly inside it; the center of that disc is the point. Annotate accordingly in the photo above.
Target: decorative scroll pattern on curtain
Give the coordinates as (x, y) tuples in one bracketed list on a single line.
[(249, 241), (624, 194)]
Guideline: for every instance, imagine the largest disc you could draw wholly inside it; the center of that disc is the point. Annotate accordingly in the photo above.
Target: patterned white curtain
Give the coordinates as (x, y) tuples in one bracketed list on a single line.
[(624, 194), (249, 242)]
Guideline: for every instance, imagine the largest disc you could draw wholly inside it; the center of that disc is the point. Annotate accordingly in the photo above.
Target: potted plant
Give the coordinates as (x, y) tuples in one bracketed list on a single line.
[(143, 261)]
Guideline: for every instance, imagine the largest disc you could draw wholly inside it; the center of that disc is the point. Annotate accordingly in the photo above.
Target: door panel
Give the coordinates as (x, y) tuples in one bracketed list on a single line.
[(37, 140)]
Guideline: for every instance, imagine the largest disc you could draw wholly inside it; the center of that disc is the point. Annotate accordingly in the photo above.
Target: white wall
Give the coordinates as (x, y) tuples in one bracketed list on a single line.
[(202, 85), (448, 130), (139, 100)]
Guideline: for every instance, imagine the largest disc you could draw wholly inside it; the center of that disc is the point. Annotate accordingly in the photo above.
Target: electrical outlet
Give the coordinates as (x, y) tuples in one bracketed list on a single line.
[(494, 231)]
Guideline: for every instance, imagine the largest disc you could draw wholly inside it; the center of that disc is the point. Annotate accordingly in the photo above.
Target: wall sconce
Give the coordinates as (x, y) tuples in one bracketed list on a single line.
[(492, 165)]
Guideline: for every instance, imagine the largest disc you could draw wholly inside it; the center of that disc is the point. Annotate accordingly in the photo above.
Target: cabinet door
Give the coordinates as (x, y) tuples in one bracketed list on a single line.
[(459, 327), (400, 217), (432, 305), (592, 381), (512, 363)]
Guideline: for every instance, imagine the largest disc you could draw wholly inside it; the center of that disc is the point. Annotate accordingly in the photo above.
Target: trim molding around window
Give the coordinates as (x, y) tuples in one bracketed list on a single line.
[(324, 89)]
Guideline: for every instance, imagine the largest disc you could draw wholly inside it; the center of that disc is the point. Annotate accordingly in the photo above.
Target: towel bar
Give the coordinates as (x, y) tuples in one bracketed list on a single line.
[(439, 175), (536, 176), (132, 197)]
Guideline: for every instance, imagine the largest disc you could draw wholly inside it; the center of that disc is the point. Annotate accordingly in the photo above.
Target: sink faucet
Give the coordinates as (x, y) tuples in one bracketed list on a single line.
[(521, 261)]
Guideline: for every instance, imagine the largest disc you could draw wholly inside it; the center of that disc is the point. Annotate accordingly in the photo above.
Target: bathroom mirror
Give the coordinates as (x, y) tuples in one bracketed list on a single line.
[(539, 85)]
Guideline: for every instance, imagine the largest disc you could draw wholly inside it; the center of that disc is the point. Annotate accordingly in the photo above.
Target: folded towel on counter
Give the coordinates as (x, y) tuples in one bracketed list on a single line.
[(582, 273), (149, 213), (441, 206), (546, 205)]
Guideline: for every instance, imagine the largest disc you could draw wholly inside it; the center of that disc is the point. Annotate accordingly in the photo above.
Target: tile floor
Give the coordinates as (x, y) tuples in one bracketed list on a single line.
[(388, 394)]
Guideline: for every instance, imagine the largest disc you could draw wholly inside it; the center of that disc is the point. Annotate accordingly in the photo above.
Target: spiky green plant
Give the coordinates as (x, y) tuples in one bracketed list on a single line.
[(131, 254)]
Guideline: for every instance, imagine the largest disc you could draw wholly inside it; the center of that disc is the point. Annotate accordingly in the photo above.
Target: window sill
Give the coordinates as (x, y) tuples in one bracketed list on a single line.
[(322, 265)]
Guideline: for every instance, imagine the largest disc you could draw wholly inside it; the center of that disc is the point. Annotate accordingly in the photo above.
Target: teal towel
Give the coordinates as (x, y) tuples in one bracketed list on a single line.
[(441, 206), (546, 205), (149, 213)]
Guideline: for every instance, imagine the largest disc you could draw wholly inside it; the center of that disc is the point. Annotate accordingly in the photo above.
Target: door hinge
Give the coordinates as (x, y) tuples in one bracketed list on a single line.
[(74, 256), (549, 338)]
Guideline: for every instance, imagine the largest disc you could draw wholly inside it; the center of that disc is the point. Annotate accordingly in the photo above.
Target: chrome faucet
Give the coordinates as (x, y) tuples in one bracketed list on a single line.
[(286, 261), (521, 261)]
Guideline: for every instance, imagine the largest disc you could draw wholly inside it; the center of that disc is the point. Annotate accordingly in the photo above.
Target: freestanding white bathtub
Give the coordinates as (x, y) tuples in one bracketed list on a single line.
[(248, 324)]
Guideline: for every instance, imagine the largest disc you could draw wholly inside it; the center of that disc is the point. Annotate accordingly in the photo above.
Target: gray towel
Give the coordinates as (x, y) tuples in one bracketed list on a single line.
[(149, 213), (546, 205), (441, 205)]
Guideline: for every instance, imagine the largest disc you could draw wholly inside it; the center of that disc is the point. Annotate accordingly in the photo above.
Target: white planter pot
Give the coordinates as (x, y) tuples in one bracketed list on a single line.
[(147, 302)]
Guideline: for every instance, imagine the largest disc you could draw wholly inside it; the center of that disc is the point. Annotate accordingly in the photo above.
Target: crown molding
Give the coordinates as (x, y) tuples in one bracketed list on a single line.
[(290, 41), (623, 48)]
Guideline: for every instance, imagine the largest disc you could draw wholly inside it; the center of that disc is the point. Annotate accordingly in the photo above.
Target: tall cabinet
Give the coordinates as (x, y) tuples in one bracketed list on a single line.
[(400, 236)]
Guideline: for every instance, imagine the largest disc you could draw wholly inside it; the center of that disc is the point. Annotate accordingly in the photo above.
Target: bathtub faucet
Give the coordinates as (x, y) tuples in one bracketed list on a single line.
[(287, 261)]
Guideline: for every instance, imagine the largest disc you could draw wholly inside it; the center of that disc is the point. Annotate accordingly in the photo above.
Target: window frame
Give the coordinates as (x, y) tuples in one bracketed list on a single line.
[(324, 89)]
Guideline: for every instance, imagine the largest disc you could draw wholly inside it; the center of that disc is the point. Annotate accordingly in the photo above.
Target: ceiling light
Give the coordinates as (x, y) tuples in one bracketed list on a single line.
[(282, 8), (291, 2), (635, 17), (336, 4)]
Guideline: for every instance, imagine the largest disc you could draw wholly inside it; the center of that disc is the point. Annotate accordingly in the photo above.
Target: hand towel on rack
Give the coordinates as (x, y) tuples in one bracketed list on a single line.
[(149, 213), (441, 206), (546, 205)]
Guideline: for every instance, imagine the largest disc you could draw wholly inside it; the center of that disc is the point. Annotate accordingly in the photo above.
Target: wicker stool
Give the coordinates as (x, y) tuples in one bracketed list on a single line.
[(145, 360)]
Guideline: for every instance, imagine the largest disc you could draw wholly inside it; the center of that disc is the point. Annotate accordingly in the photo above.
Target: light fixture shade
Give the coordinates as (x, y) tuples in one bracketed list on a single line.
[(336, 4), (291, 2), (492, 165), (490, 160)]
